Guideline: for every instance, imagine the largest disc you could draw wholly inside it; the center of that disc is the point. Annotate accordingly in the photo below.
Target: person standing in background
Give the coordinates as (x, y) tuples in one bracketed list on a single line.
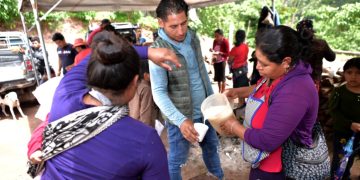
[(65, 51), (344, 106), (220, 51), (238, 62), (140, 40), (179, 93), (319, 49), (142, 106), (39, 59), (83, 50), (103, 24)]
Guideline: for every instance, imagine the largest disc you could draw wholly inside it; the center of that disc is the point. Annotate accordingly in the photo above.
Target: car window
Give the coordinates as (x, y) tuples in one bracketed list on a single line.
[(3, 42), (16, 41)]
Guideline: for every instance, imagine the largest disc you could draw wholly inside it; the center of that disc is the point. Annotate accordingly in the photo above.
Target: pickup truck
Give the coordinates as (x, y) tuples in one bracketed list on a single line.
[(17, 72), (126, 29)]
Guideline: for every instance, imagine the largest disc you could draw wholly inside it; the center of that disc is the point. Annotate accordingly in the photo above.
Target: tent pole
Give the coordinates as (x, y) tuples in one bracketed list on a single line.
[(46, 14), (273, 8), (28, 45), (37, 21)]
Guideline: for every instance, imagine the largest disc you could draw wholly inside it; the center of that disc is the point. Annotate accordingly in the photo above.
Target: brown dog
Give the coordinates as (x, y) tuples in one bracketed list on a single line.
[(12, 101)]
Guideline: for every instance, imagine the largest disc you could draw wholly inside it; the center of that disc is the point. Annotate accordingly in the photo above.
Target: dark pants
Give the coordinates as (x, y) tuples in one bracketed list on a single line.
[(259, 174), (219, 69), (240, 78), (340, 139)]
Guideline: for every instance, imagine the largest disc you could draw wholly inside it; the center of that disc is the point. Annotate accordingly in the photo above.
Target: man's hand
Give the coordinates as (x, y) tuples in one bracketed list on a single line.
[(160, 55), (355, 127), (188, 131), (35, 158), (58, 73), (69, 67)]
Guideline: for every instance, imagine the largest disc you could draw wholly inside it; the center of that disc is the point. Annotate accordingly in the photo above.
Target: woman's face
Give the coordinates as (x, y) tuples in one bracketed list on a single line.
[(269, 69), (218, 37), (352, 77)]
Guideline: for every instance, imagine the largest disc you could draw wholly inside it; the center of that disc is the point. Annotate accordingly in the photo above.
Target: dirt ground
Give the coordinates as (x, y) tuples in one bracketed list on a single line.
[(14, 135)]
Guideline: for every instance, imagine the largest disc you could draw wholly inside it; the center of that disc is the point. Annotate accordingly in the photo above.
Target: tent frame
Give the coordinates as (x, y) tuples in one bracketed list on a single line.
[(24, 6)]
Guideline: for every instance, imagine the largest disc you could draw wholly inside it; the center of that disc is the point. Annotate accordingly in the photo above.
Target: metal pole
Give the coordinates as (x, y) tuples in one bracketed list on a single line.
[(273, 10), (28, 45), (38, 27), (46, 14)]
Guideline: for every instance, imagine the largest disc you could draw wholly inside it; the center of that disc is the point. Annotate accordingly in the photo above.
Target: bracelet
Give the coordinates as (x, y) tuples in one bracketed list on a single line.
[(231, 127)]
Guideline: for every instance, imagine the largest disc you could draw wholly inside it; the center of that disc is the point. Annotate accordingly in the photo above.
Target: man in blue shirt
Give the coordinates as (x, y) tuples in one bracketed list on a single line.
[(66, 53), (179, 93)]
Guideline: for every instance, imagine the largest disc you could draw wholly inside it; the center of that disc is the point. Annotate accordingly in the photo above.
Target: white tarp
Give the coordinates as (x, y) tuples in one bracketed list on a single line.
[(109, 5)]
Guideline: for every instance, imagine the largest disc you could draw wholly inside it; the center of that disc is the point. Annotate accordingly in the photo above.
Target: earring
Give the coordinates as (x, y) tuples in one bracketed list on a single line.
[(287, 69)]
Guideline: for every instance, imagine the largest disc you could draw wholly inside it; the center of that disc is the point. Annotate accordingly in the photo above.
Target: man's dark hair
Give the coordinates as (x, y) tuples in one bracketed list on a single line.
[(219, 31), (33, 39), (144, 68), (353, 62), (58, 36), (105, 21), (167, 7)]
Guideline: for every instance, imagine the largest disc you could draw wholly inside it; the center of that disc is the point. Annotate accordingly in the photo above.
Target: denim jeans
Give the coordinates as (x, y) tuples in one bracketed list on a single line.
[(179, 151)]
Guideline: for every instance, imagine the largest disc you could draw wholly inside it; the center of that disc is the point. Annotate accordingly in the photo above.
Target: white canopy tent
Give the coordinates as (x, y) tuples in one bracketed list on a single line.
[(108, 5), (92, 5)]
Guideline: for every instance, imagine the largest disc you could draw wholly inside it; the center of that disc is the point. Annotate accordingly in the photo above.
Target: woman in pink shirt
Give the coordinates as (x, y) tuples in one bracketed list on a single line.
[(220, 54)]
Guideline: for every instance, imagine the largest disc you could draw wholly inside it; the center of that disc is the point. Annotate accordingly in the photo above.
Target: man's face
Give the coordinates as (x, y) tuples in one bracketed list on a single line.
[(175, 26), (36, 44), (60, 43)]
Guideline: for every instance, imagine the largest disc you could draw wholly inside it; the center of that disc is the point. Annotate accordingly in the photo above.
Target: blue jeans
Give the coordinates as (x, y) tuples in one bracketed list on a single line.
[(179, 151)]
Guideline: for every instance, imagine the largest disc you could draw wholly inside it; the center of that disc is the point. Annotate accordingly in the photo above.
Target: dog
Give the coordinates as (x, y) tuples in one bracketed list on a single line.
[(12, 101)]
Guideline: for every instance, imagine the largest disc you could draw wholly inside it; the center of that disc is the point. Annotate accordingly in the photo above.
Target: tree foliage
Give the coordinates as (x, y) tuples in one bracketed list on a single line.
[(8, 13), (336, 24)]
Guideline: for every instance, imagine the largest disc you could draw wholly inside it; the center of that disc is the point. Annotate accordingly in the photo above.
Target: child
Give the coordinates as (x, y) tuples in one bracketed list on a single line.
[(142, 106), (344, 107)]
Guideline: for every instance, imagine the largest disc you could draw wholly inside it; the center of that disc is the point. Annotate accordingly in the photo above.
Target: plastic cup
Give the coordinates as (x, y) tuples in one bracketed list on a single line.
[(217, 109), (201, 129)]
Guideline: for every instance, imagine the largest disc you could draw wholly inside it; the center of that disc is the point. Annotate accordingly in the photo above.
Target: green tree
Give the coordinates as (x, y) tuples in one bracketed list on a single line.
[(338, 25), (9, 13)]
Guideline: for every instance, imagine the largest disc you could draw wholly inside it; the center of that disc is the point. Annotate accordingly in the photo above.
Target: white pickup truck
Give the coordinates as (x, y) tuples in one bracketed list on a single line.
[(17, 72)]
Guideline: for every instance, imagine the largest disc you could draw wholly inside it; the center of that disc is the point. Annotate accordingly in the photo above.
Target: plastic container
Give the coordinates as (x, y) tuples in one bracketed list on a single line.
[(217, 109)]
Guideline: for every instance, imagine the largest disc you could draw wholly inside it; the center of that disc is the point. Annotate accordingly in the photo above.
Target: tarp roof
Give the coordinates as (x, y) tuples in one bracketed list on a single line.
[(109, 5)]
